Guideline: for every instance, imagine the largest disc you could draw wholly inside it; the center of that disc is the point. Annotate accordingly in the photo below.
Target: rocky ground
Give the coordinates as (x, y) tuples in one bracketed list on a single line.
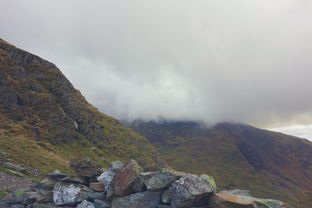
[(12, 183), (128, 186)]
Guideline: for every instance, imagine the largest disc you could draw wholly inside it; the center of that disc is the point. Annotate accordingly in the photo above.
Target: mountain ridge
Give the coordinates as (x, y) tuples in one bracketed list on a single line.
[(40, 109), (237, 156)]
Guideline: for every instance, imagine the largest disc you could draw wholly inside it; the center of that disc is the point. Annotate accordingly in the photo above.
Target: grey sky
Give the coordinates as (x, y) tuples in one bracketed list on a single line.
[(217, 60)]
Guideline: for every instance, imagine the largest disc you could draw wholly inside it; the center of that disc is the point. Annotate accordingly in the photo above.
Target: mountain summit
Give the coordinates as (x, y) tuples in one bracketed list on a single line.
[(45, 121)]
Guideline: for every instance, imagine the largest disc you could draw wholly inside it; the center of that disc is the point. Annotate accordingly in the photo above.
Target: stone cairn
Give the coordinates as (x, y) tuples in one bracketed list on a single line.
[(128, 186)]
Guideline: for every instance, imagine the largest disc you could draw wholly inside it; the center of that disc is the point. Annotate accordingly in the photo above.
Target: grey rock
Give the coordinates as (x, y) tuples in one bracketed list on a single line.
[(101, 204), (138, 200), (15, 197), (17, 206), (116, 166), (48, 183), (139, 183), (166, 197), (85, 204), (163, 206), (106, 178), (67, 194), (39, 205), (86, 167), (162, 179), (190, 190), (57, 175)]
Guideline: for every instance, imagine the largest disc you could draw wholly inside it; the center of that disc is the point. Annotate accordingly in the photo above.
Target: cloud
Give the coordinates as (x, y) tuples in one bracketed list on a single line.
[(219, 60)]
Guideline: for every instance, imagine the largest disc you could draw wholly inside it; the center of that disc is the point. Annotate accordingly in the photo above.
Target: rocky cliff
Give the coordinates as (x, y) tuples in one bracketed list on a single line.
[(45, 121)]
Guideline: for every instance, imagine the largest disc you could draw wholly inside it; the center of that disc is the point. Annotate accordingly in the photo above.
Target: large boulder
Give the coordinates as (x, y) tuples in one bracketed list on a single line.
[(122, 182), (220, 200), (86, 167), (107, 176), (162, 179), (67, 194), (85, 204), (190, 190), (138, 200), (139, 183)]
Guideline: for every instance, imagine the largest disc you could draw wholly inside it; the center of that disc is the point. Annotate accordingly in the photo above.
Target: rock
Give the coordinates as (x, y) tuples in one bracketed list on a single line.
[(190, 190), (166, 197), (17, 206), (86, 167), (162, 179), (48, 183), (94, 195), (121, 183), (106, 178), (67, 194), (97, 186), (210, 180), (30, 197), (85, 204), (57, 175), (45, 196), (238, 201), (101, 204), (38, 205), (139, 183), (270, 203), (163, 206), (116, 166), (236, 192), (74, 179), (138, 200), (15, 197)]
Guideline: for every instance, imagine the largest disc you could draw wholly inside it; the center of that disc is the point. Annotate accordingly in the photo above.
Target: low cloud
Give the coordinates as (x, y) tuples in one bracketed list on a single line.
[(246, 60)]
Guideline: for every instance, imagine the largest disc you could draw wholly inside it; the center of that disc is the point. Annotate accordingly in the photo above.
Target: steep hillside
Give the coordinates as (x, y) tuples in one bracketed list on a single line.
[(45, 121), (238, 156)]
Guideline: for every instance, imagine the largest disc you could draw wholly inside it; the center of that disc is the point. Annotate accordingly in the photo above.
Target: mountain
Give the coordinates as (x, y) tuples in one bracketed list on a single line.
[(45, 121), (267, 163)]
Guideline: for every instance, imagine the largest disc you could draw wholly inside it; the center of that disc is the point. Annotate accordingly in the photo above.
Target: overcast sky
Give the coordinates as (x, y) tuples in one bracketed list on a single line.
[(215, 60)]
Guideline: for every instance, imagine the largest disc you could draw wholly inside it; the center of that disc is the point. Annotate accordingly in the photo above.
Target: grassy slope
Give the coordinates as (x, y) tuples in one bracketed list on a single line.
[(216, 152), (45, 121)]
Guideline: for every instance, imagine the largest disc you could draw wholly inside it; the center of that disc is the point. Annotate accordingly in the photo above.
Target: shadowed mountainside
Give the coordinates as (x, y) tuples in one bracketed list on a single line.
[(237, 156), (45, 121)]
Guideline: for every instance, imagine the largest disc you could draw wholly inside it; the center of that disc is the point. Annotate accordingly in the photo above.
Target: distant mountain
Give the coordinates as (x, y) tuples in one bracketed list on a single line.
[(45, 121), (269, 164)]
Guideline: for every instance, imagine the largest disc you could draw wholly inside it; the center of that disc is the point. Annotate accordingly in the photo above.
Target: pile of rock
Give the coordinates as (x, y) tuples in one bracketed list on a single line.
[(127, 186)]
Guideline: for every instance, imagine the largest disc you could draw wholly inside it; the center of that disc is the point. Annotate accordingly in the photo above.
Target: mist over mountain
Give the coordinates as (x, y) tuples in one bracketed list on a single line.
[(243, 61)]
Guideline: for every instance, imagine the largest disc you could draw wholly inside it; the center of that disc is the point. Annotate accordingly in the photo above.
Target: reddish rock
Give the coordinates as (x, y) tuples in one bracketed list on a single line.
[(97, 186), (121, 184)]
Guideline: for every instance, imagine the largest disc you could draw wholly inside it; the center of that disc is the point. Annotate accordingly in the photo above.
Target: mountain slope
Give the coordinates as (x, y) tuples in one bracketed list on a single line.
[(238, 156), (45, 121)]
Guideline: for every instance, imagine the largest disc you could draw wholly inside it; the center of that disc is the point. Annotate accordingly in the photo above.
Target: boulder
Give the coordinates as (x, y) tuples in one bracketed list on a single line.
[(97, 186), (138, 200), (67, 194), (116, 166), (139, 183), (101, 204), (190, 190), (162, 179), (85, 204), (238, 201), (38, 205), (86, 167), (210, 179), (47, 183), (166, 197), (122, 182), (106, 178), (57, 175)]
